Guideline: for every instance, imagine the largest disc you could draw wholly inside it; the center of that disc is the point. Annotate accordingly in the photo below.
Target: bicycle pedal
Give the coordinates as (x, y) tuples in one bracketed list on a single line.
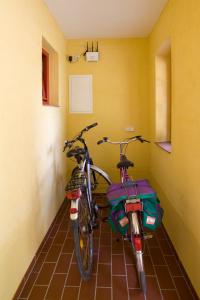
[(148, 236)]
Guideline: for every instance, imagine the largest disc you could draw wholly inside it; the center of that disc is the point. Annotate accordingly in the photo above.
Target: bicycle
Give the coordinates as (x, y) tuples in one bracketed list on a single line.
[(127, 192), (80, 190)]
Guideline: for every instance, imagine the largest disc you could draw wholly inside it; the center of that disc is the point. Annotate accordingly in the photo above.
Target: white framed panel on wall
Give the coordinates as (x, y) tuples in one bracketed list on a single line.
[(80, 94)]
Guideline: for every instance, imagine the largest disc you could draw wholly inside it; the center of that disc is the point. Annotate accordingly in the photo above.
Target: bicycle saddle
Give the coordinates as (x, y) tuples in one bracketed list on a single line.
[(76, 151), (125, 163)]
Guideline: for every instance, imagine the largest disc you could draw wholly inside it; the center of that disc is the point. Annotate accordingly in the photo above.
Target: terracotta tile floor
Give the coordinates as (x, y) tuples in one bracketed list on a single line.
[(54, 274)]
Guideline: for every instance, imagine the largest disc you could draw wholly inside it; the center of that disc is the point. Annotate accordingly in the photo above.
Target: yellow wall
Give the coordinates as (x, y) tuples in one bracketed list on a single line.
[(31, 159), (120, 98), (176, 175)]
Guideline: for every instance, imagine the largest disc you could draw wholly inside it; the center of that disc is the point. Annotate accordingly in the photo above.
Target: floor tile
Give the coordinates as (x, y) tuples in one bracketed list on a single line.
[(39, 262), (59, 237), (64, 226), (70, 293), (105, 254), (96, 245), (118, 267), (53, 253), (170, 295), (173, 265), (68, 246), (87, 289), (54, 231), (73, 278), (182, 288), (103, 294), (132, 277), (165, 246), (45, 274), (95, 263), (136, 294), (56, 287), (63, 263), (153, 291), (164, 277), (119, 287), (157, 257), (148, 266), (117, 247), (47, 245), (153, 242), (38, 293), (28, 285), (104, 275), (129, 256)]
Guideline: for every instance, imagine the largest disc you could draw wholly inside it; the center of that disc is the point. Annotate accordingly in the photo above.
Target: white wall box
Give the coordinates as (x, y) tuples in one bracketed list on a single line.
[(80, 94)]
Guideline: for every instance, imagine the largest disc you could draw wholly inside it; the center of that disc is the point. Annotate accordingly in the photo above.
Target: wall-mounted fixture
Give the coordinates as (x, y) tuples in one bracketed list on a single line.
[(91, 53)]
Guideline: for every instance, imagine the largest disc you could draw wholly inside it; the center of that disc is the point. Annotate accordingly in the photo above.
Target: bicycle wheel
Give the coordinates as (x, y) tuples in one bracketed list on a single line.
[(99, 184), (83, 238), (136, 241), (141, 272)]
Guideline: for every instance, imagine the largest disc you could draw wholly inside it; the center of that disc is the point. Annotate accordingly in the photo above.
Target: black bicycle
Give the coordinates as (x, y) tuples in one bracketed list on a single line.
[(87, 180)]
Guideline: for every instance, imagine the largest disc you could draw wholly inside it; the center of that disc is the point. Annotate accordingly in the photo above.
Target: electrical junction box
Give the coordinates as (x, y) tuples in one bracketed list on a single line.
[(92, 56)]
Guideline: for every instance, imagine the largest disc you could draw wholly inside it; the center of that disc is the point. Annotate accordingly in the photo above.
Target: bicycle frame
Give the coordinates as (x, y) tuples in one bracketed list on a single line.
[(85, 167), (133, 208)]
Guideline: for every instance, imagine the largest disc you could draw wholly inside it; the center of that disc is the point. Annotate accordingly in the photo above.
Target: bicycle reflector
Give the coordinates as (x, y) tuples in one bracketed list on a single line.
[(137, 243), (133, 207), (73, 194)]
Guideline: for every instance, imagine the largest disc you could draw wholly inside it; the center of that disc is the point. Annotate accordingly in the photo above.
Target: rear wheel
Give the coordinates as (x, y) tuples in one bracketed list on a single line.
[(137, 241), (141, 272), (83, 238)]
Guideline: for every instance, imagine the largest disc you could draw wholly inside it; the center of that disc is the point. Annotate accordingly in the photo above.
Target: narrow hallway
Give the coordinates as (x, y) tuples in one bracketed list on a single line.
[(54, 274)]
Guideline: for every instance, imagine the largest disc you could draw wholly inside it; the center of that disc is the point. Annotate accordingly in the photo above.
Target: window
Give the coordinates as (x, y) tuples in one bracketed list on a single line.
[(163, 96), (49, 74), (45, 77)]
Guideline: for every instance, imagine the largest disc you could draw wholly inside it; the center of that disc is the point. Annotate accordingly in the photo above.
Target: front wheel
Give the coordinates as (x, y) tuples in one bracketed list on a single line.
[(100, 182), (83, 238)]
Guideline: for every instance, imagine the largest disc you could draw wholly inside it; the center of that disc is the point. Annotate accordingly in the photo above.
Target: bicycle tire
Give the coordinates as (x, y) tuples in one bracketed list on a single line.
[(83, 238), (141, 272), (135, 228), (142, 281)]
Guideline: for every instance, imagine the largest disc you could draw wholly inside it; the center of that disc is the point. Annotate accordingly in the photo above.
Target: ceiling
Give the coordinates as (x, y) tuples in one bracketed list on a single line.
[(106, 18)]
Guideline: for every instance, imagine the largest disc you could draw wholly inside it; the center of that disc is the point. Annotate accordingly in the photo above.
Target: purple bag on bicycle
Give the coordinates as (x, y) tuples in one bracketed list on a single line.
[(152, 212)]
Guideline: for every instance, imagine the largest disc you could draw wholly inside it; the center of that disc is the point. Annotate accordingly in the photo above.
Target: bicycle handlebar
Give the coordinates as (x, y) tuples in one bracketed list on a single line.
[(68, 144), (127, 141)]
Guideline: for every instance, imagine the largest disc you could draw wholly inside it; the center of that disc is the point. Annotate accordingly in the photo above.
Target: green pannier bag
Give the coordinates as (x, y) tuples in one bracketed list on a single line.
[(152, 213)]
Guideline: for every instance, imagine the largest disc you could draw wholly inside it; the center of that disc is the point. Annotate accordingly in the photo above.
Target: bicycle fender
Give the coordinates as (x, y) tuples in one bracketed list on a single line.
[(74, 209), (93, 167)]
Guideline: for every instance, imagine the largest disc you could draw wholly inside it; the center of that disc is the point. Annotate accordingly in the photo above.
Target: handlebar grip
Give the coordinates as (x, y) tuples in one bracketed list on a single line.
[(141, 139), (91, 126), (102, 141)]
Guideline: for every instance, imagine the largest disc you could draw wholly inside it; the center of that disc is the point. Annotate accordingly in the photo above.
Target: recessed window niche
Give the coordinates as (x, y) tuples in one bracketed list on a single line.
[(49, 74), (163, 95)]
